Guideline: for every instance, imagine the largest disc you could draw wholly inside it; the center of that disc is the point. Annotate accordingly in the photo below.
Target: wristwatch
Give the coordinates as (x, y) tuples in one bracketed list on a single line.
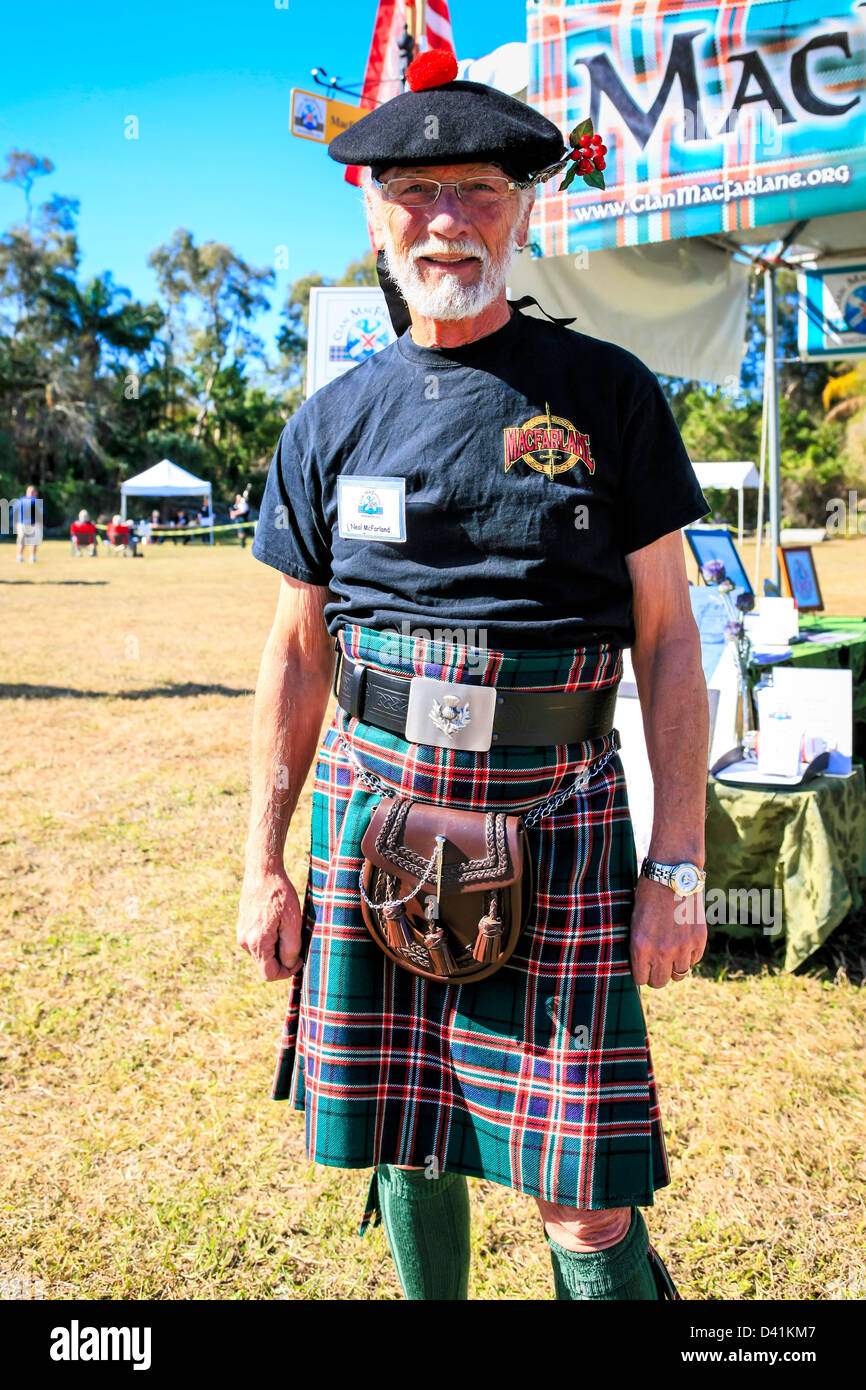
[(683, 878)]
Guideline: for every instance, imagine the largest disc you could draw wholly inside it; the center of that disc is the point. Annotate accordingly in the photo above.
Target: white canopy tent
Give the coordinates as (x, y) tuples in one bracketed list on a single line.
[(165, 479), (729, 475)]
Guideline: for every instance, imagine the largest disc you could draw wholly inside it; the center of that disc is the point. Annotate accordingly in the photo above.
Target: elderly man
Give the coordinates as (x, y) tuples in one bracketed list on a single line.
[(496, 477)]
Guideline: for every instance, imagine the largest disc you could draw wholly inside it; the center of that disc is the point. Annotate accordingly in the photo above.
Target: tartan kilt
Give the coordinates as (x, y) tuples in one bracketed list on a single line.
[(540, 1076)]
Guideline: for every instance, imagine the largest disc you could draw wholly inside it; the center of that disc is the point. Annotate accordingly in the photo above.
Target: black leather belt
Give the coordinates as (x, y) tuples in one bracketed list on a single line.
[(520, 717)]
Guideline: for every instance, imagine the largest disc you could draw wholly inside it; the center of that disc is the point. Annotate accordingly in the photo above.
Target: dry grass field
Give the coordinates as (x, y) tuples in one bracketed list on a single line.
[(141, 1156)]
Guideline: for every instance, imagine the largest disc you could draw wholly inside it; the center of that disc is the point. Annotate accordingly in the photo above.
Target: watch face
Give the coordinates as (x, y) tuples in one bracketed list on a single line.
[(685, 878)]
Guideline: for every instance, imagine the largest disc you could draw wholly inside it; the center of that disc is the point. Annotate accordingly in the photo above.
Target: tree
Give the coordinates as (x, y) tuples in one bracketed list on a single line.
[(23, 169), (65, 349), (226, 293), (94, 385), (844, 400), (97, 321)]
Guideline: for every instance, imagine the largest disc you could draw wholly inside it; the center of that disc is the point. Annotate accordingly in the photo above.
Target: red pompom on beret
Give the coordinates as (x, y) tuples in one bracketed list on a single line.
[(431, 69)]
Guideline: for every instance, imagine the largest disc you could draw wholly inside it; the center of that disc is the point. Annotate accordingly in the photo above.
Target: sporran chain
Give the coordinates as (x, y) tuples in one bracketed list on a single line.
[(532, 816)]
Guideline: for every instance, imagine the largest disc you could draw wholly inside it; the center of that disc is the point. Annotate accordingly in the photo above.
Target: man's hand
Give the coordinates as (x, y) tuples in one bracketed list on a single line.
[(269, 923), (668, 933), (291, 697)]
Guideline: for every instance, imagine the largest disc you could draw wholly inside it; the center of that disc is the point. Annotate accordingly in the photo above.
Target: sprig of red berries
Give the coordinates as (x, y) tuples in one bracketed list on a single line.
[(587, 157)]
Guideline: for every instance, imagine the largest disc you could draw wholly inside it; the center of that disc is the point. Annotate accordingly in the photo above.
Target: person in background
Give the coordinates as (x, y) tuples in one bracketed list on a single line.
[(83, 533), (27, 520), (178, 521), (206, 518), (239, 513), (141, 535), (153, 537), (118, 536)]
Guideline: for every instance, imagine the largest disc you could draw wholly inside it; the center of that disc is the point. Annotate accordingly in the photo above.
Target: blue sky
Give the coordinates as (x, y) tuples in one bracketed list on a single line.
[(209, 82)]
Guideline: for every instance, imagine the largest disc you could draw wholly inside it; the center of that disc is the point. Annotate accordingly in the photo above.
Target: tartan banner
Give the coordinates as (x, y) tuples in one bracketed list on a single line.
[(539, 1077), (715, 117)]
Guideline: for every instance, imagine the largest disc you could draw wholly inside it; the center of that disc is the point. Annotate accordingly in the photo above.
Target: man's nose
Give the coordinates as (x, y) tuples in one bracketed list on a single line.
[(448, 213)]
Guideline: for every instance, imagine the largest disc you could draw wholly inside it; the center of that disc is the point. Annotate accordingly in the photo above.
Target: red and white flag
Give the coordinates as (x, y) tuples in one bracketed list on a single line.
[(438, 25), (429, 22)]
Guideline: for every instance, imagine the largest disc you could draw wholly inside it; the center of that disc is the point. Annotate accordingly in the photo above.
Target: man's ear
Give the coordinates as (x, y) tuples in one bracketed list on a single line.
[(374, 229), (522, 229), (374, 221)]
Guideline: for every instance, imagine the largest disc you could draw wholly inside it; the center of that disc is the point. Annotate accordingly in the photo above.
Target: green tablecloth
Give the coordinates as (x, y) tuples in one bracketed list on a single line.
[(808, 843), (844, 654)]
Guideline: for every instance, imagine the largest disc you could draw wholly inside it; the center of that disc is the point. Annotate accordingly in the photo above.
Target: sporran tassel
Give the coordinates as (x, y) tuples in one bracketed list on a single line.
[(397, 927), (440, 956), (436, 941), (488, 941)]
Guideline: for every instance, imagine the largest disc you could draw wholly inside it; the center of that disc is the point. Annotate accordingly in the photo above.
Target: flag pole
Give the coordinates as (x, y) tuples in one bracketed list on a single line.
[(407, 41), (774, 468)]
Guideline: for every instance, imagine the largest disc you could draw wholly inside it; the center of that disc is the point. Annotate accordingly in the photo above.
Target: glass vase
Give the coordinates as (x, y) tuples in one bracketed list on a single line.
[(746, 722)]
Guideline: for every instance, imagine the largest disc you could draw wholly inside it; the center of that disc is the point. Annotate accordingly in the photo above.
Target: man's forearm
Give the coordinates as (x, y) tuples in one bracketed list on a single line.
[(673, 696), (290, 702)]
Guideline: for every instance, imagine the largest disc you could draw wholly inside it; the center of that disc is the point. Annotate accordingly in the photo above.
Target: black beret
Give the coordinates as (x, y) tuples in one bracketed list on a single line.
[(474, 124)]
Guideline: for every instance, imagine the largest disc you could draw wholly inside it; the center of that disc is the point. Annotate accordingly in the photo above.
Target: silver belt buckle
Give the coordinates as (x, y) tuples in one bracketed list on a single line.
[(450, 714)]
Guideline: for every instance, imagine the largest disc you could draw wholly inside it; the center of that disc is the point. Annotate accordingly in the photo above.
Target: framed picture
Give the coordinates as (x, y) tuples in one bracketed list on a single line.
[(799, 577), (712, 543)]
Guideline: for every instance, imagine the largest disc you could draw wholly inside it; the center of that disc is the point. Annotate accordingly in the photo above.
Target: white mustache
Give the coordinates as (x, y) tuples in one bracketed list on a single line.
[(452, 248)]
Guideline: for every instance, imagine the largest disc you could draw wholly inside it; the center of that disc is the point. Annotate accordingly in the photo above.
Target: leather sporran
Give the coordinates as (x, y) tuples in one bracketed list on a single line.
[(471, 927)]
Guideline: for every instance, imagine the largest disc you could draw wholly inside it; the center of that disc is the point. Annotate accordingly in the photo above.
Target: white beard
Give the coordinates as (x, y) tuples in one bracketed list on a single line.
[(450, 298)]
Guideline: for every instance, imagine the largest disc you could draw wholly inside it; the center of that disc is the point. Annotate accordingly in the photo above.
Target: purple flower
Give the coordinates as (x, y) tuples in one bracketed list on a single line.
[(713, 571), (733, 632), (745, 602), (725, 586)]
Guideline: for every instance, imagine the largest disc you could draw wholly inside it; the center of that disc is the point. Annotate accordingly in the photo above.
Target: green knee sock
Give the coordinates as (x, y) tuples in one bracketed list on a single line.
[(426, 1221), (623, 1271)]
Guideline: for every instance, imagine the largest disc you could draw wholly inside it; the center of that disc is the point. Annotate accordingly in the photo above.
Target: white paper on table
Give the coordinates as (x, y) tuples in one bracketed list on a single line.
[(780, 734), (822, 702), (776, 621), (748, 772)]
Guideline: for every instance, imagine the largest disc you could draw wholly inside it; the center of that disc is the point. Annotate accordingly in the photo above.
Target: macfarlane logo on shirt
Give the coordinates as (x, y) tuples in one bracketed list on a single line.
[(547, 443)]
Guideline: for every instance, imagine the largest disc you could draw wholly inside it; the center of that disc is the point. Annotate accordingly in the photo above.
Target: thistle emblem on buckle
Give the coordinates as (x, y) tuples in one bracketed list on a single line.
[(450, 714)]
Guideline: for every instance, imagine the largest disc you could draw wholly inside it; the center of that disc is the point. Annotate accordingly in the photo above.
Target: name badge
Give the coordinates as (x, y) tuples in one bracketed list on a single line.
[(371, 509)]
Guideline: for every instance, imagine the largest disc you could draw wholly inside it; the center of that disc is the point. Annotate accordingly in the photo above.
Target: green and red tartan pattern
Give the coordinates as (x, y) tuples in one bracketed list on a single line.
[(539, 1077)]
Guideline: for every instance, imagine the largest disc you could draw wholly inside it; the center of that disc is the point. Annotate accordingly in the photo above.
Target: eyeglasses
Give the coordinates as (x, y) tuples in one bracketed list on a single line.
[(480, 191)]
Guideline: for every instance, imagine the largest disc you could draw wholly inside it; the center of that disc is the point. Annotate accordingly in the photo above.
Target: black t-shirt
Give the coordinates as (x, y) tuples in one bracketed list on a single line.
[(492, 489)]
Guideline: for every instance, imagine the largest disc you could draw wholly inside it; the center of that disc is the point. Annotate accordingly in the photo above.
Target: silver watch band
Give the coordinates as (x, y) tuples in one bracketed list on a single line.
[(682, 878)]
